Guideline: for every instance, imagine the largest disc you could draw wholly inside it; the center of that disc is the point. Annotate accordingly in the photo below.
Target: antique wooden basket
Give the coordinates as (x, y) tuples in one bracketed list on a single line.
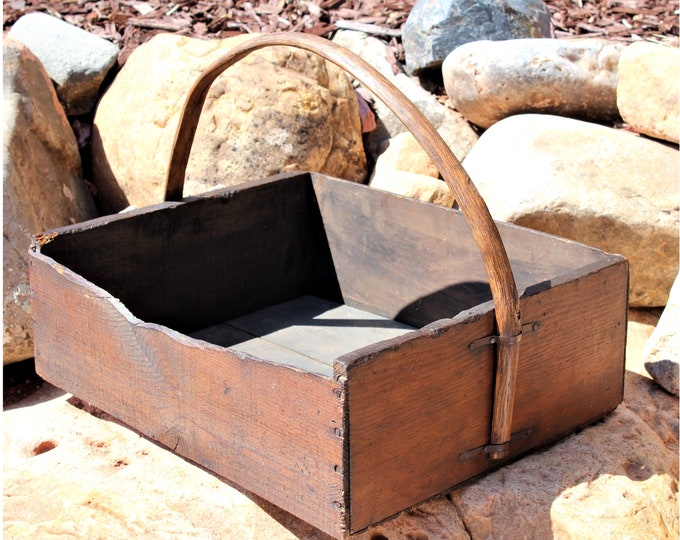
[(342, 352)]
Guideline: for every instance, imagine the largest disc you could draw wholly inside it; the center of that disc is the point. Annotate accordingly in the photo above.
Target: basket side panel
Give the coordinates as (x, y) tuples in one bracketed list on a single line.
[(412, 410), (269, 429), (420, 414), (417, 262), (205, 260)]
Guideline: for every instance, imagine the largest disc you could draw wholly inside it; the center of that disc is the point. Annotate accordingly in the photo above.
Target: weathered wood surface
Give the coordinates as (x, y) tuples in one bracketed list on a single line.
[(416, 262), (191, 265), (398, 421), (419, 415), (271, 429), (308, 333)]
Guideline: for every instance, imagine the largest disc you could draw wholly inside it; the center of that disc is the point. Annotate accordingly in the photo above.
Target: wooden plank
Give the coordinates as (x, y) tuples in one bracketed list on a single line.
[(308, 333), (193, 264), (265, 427), (417, 263), (415, 409)]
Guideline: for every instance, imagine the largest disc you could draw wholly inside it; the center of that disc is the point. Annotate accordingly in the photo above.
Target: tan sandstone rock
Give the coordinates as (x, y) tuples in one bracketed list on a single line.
[(405, 154), (604, 187), (277, 110), (648, 94), (43, 186), (414, 185)]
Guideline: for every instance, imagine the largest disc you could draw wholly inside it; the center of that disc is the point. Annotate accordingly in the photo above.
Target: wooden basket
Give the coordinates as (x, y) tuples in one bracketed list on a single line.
[(342, 352)]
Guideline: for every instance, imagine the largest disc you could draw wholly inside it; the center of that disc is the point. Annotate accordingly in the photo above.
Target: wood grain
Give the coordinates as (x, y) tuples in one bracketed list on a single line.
[(271, 429), (416, 407), (397, 421)]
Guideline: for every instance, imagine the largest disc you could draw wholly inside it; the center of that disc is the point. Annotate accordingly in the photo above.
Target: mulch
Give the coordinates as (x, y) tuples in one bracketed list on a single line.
[(129, 23)]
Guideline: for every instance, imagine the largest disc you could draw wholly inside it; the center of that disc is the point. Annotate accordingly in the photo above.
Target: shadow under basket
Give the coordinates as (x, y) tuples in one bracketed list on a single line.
[(342, 352)]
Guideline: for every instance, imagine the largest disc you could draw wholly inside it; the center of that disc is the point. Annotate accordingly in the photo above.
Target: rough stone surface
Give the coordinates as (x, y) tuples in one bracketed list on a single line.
[(277, 110), (648, 91), (662, 353), (79, 475), (405, 169), (414, 185), (405, 154), (451, 125), (604, 187), (434, 28), (42, 184), (77, 61), (487, 81)]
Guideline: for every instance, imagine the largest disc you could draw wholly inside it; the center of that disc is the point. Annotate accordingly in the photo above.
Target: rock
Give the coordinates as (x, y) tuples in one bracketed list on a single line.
[(648, 94), (451, 125), (434, 28), (414, 185), (75, 60), (87, 476), (42, 184), (487, 81), (405, 169), (604, 187), (662, 351), (277, 110), (612, 480), (405, 154)]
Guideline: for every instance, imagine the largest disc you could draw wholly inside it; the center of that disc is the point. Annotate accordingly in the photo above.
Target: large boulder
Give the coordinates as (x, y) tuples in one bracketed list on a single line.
[(601, 186), (279, 109), (43, 186), (76, 60), (434, 28), (649, 92), (487, 81)]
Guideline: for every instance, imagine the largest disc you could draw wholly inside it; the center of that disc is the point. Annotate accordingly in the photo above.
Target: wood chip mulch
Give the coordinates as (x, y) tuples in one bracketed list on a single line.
[(128, 23)]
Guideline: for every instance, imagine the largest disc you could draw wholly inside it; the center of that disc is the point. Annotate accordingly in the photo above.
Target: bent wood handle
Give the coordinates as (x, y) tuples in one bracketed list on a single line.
[(473, 207)]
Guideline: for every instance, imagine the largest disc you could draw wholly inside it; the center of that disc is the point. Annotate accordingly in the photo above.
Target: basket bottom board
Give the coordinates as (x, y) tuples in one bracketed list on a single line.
[(308, 333)]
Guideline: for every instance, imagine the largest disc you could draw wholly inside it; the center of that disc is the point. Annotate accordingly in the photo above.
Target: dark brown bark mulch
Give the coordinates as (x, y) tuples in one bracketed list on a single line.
[(128, 23)]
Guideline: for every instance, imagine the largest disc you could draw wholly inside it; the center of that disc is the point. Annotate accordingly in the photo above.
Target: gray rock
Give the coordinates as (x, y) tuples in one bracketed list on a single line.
[(42, 184), (76, 61), (601, 186), (434, 28), (451, 125), (648, 91), (487, 81), (662, 350), (665, 374)]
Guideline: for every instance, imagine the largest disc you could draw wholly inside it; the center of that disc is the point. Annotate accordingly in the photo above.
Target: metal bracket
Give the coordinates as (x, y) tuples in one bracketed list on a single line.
[(492, 448), (527, 328)]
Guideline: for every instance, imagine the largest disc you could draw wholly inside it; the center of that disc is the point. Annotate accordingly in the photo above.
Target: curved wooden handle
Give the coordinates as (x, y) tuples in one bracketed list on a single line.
[(473, 207)]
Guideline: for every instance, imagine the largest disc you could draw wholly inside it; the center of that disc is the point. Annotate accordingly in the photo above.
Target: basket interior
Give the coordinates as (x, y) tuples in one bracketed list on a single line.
[(300, 240)]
